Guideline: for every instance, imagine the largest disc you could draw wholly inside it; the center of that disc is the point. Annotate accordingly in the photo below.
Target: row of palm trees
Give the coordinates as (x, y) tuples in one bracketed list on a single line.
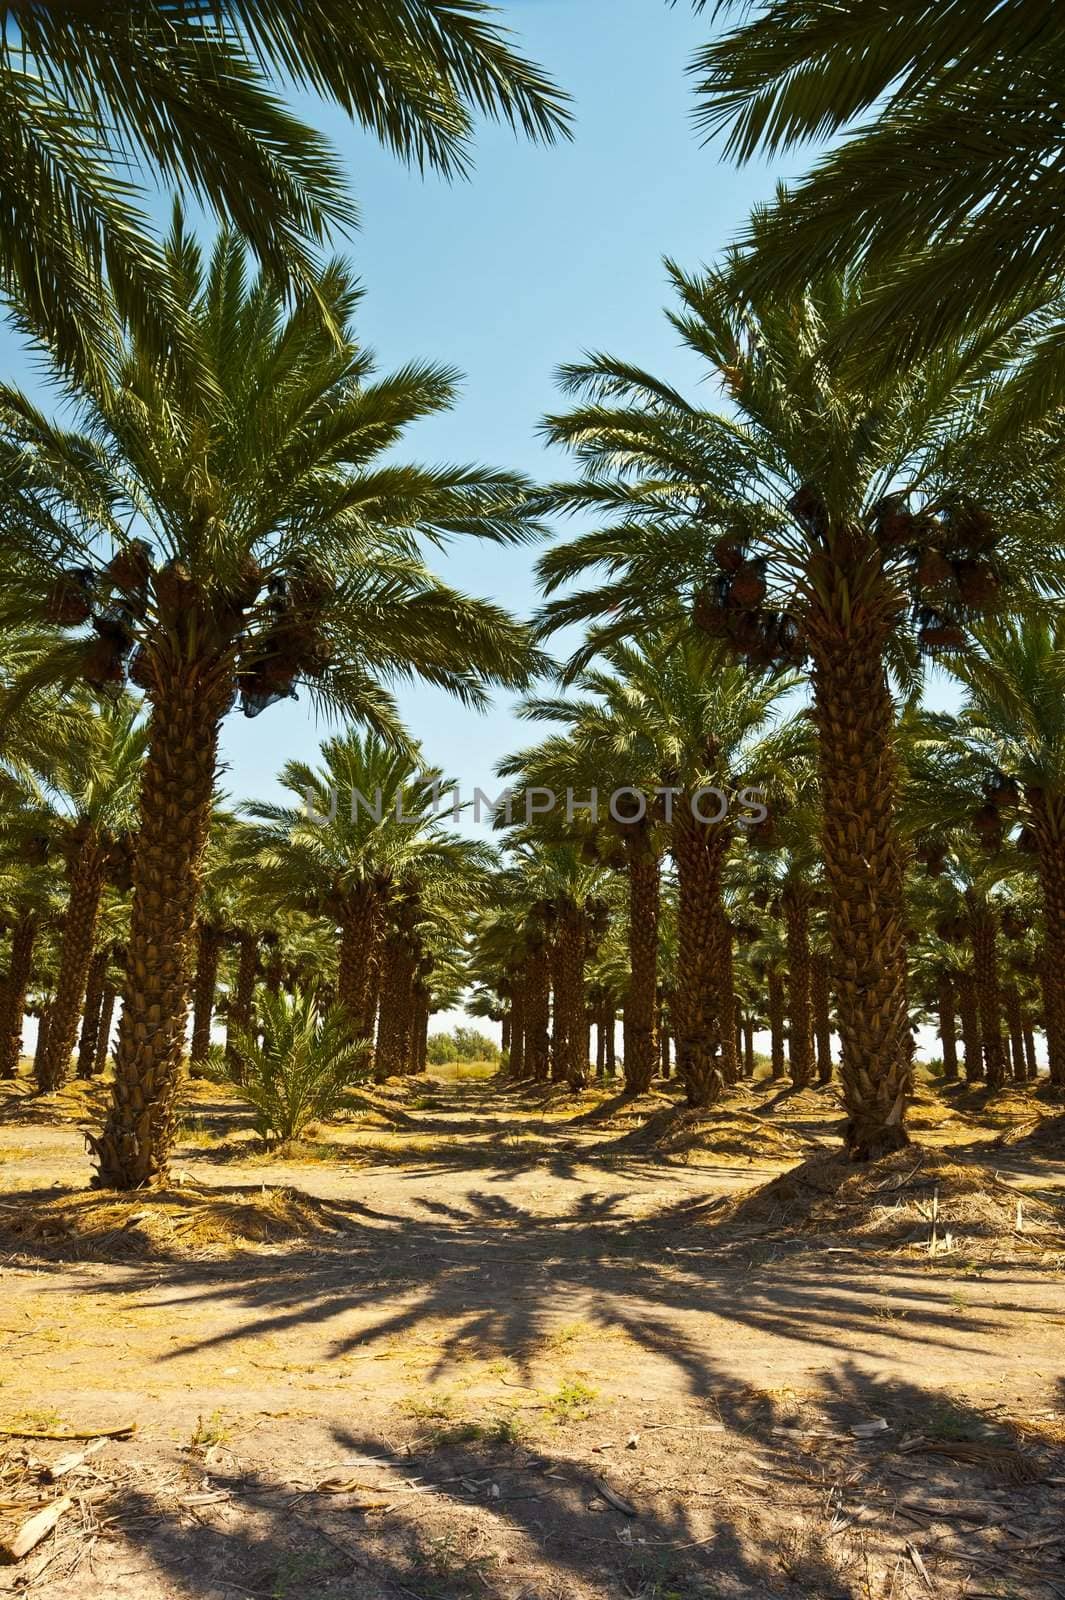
[(220, 515)]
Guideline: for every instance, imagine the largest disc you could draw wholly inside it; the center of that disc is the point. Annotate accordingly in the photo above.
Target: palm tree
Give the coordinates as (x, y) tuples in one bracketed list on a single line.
[(1013, 722), (30, 895), (94, 91), (89, 790), (820, 522), (666, 722), (276, 548), (370, 816), (947, 189)]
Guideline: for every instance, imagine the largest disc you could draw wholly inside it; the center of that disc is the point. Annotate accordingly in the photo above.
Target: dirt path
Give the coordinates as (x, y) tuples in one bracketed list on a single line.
[(494, 1317)]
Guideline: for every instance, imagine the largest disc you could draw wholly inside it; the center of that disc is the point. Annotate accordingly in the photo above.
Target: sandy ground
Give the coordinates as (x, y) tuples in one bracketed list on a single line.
[(513, 1359)]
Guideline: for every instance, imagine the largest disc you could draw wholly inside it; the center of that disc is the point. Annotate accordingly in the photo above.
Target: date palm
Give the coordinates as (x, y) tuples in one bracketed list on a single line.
[(370, 816), (664, 721), (1012, 727), (182, 92), (90, 792), (948, 185), (274, 546), (816, 523)]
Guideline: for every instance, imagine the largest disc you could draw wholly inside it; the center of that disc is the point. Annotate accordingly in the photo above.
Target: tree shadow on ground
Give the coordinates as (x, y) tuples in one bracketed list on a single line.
[(855, 1488)]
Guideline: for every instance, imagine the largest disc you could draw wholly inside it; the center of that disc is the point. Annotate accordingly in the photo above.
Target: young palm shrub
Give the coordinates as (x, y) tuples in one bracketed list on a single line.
[(296, 1066), (822, 523), (279, 549)]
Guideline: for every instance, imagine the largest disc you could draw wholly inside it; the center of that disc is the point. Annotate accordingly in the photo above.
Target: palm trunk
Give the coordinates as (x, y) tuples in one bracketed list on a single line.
[(969, 1019), (611, 1044), (989, 998), (419, 1045), (1011, 1001), (395, 1028), (1048, 818), (90, 1022), (800, 1016), (242, 999), (1031, 1063), (698, 1003), (537, 1011), (569, 996), (947, 1034), (748, 1047), (775, 1008), (864, 872), (103, 1036), (664, 1043), (177, 789), (504, 1042), (358, 937), (204, 988), (75, 958), (20, 965), (516, 1066), (559, 1018), (641, 1053), (820, 1004), (40, 1053)]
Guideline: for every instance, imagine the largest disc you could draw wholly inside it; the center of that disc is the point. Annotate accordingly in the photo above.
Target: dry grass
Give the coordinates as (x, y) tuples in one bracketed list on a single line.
[(175, 1223), (916, 1202)]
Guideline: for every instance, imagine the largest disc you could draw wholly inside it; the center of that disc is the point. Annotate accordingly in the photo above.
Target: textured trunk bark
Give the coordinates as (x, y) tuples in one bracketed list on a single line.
[(358, 939), (517, 1028), (90, 1022), (821, 1006), (969, 1019), (569, 996), (43, 1024), (748, 1047), (611, 1046), (209, 940), (177, 789), (699, 1000), (775, 1008), (855, 719), (663, 1038), (504, 1043), (989, 998), (725, 960), (1048, 819), (641, 1003), (103, 1038), (1030, 1060), (75, 958), (242, 999), (397, 1011), (948, 1038), (20, 965), (559, 1014), (537, 1013), (1011, 1002), (800, 1016), (420, 1042)]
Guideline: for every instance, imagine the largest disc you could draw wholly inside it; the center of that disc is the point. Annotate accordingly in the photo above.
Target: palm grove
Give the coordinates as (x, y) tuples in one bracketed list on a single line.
[(217, 514)]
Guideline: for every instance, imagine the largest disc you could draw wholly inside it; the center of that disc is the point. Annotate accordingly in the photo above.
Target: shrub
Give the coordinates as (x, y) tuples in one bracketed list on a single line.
[(295, 1069), (465, 1044)]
